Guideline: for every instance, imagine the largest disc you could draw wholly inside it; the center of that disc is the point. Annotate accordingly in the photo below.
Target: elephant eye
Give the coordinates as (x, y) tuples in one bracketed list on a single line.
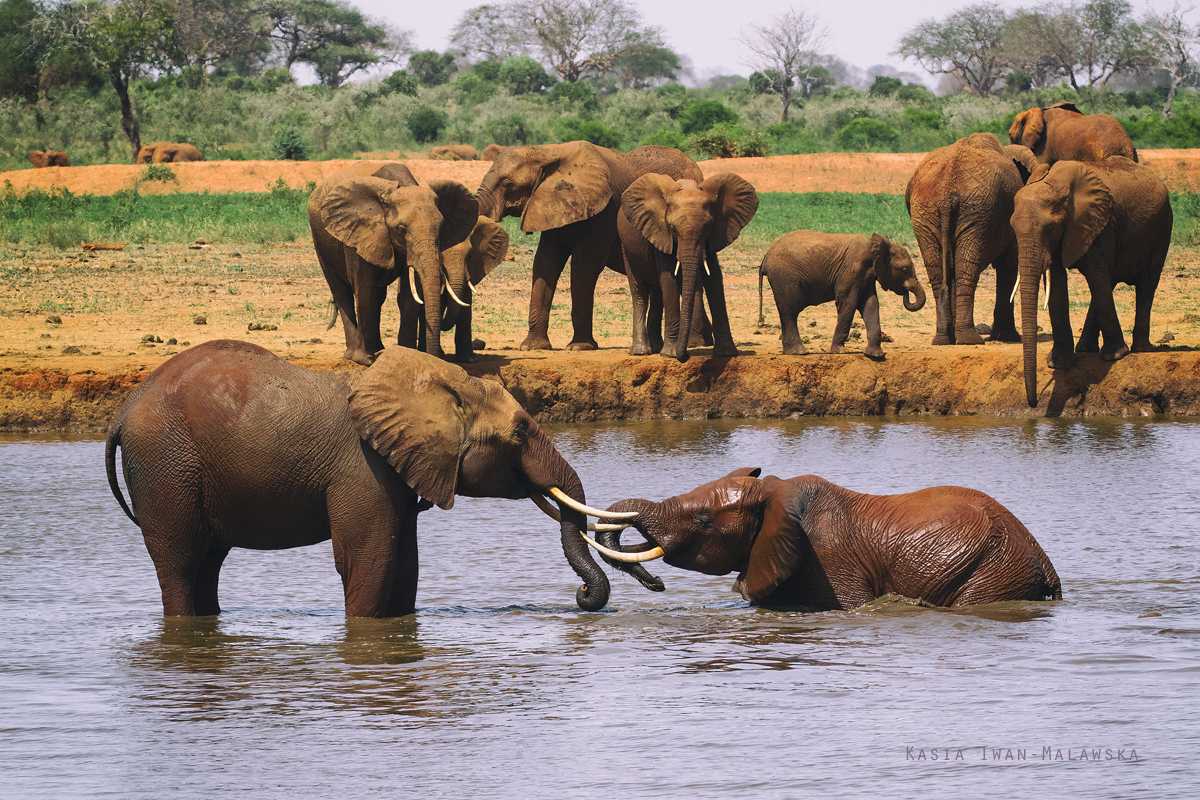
[(521, 433), (703, 519)]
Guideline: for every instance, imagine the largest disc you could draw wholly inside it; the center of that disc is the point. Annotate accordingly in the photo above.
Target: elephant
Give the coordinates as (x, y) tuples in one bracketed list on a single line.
[(368, 223), (1111, 221), (466, 264), (49, 158), (454, 152), (1062, 132), (490, 152), (807, 268), (808, 542), (165, 152), (571, 193), (670, 232), (227, 445), (960, 199)]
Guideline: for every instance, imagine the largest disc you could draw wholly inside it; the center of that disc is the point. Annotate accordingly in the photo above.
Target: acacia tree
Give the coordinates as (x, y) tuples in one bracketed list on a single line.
[(1110, 41), (208, 31), (968, 44), (333, 37), (786, 51), (490, 32), (1176, 45), (1044, 43)]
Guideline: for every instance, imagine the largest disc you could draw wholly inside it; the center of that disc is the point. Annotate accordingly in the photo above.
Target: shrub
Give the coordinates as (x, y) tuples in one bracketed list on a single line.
[(866, 134), (474, 88), (507, 131), (523, 75), (666, 138), (885, 86), (704, 114), (290, 145), (570, 129), (273, 78), (922, 118), (158, 172), (730, 141), (400, 82), (427, 124), (1018, 81), (431, 68), (487, 70), (915, 93), (844, 116), (581, 94)]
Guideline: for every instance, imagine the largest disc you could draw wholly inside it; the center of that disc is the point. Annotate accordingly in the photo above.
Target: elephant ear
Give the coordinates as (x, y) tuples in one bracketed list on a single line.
[(1023, 158), (572, 188), (881, 260), (745, 472), (489, 245), (645, 205), (736, 203), (459, 210), (1065, 104), (780, 545), (1027, 128), (354, 215), (415, 410), (1090, 210)]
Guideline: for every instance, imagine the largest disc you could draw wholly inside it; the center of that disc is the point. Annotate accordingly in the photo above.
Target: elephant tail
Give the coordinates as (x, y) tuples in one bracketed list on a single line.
[(762, 270), (947, 232), (333, 318), (110, 465)]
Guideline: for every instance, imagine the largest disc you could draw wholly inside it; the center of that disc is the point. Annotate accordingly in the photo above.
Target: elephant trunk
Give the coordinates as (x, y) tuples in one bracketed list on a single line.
[(914, 288), (488, 207), (428, 261), (691, 261), (545, 467), (1029, 275)]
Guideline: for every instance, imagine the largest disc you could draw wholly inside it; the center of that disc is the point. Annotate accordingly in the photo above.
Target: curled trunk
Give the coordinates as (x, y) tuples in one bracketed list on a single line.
[(917, 304)]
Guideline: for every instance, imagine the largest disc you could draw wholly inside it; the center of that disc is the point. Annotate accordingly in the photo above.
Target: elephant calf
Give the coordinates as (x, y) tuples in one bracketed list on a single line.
[(806, 542), (807, 268)]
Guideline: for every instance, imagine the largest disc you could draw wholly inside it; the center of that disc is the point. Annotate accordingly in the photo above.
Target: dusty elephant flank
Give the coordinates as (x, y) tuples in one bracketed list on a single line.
[(1062, 132)]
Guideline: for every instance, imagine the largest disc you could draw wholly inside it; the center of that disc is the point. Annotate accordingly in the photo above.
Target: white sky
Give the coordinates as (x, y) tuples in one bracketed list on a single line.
[(862, 32)]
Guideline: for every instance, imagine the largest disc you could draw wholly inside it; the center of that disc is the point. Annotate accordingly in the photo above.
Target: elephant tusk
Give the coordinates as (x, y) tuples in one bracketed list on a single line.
[(627, 558), (706, 272), (562, 497), (446, 281), (1046, 283), (554, 514), (472, 287), (1012, 297), (676, 268), (412, 285)]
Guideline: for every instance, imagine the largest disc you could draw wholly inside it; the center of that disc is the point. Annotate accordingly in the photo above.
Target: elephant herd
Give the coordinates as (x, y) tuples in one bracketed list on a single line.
[(226, 445)]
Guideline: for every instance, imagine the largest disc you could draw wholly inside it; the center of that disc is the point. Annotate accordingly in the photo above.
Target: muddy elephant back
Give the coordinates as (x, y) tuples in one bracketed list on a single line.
[(663, 160)]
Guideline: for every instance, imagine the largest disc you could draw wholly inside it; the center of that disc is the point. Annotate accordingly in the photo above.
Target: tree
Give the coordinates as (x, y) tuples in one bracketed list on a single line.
[(19, 53), (523, 75), (968, 44), (1175, 45), (789, 45), (605, 30), (641, 65), (1110, 41), (431, 68), (1043, 44), (209, 31), (490, 32), (332, 37)]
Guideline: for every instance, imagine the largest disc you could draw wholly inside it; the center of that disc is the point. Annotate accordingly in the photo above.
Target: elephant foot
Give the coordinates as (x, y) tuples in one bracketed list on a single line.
[(1142, 347), (942, 338), (535, 342), (1009, 335), (1056, 360), (1116, 354), (1087, 347), (640, 349), (725, 349), (838, 350), (795, 350), (680, 357), (968, 336), (874, 352), (590, 345), (359, 356), (465, 358)]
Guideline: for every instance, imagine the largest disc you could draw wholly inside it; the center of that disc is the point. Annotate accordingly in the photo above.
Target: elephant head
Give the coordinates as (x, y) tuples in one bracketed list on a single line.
[(691, 221), (1056, 217), (894, 269), (468, 263), (453, 434), (392, 227), (1028, 128), (547, 186)]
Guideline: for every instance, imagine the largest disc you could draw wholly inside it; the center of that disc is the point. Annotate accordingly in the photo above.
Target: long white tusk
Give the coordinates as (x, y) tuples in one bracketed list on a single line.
[(706, 272), (473, 289), (412, 285), (1046, 302), (561, 496), (1013, 296), (676, 267), (552, 512), (446, 281), (627, 558)]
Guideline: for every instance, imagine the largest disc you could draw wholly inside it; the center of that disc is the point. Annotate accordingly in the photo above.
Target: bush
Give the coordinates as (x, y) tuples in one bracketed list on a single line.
[(290, 145), (431, 68), (475, 89), (427, 124), (703, 115), (915, 93), (400, 82), (507, 131), (275, 77), (523, 75), (487, 70), (158, 172), (921, 118), (581, 94), (730, 141), (867, 134), (885, 86), (666, 138), (570, 129)]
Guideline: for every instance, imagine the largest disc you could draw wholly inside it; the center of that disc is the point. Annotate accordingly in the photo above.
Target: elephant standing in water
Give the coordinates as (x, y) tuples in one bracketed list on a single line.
[(960, 199), (370, 222), (166, 152), (1062, 132), (807, 268), (1112, 222), (806, 542), (671, 231), (572, 194), (226, 445)]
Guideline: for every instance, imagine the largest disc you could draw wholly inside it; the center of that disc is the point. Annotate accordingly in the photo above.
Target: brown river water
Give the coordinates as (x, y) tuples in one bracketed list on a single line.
[(500, 686)]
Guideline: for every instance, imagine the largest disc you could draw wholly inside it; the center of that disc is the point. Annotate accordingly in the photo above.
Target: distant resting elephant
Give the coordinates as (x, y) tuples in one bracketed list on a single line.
[(466, 264), (671, 231), (49, 158), (807, 268), (806, 542), (1112, 222), (960, 199), (166, 152), (453, 152), (571, 193), (370, 225), (226, 445), (1062, 132), (490, 152)]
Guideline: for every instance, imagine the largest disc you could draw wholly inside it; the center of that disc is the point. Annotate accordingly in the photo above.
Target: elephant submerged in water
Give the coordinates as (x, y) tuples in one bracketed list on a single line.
[(226, 445), (806, 542)]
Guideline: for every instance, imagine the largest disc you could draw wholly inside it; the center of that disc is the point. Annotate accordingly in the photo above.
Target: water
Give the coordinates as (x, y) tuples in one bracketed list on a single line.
[(500, 685)]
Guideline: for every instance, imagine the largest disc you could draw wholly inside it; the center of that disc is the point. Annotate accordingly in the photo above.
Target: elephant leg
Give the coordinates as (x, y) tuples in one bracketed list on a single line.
[(1089, 337), (793, 344), (966, 280), (369, 539), (1105, 310), (1061, 354), (403, 597), (654, 318), (1145, 288), (179, 547), (552, 253), (669, 288), (868, 307), (464, 351), (846, 307), (638, 297), (368, 301), (343, 299), (1004, 323), (411, 314), (714, 286), (205, 585), (931, 253), (699, 322), (586, 266)]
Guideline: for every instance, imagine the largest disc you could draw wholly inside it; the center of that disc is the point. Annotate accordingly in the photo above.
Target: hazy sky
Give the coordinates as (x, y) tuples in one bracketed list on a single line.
[(862, 32)]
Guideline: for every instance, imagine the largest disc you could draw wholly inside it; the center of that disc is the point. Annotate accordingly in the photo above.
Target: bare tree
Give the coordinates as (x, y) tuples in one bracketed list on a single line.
[(1110, 41), (491, 33), (1176, 45), (968, 44), (578, 37), (789, 46), (1044, 43), (208, 31)]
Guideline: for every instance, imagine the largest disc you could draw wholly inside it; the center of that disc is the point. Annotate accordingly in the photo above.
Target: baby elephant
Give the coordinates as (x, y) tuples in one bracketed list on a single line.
[(806, 542), (807, 268)]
